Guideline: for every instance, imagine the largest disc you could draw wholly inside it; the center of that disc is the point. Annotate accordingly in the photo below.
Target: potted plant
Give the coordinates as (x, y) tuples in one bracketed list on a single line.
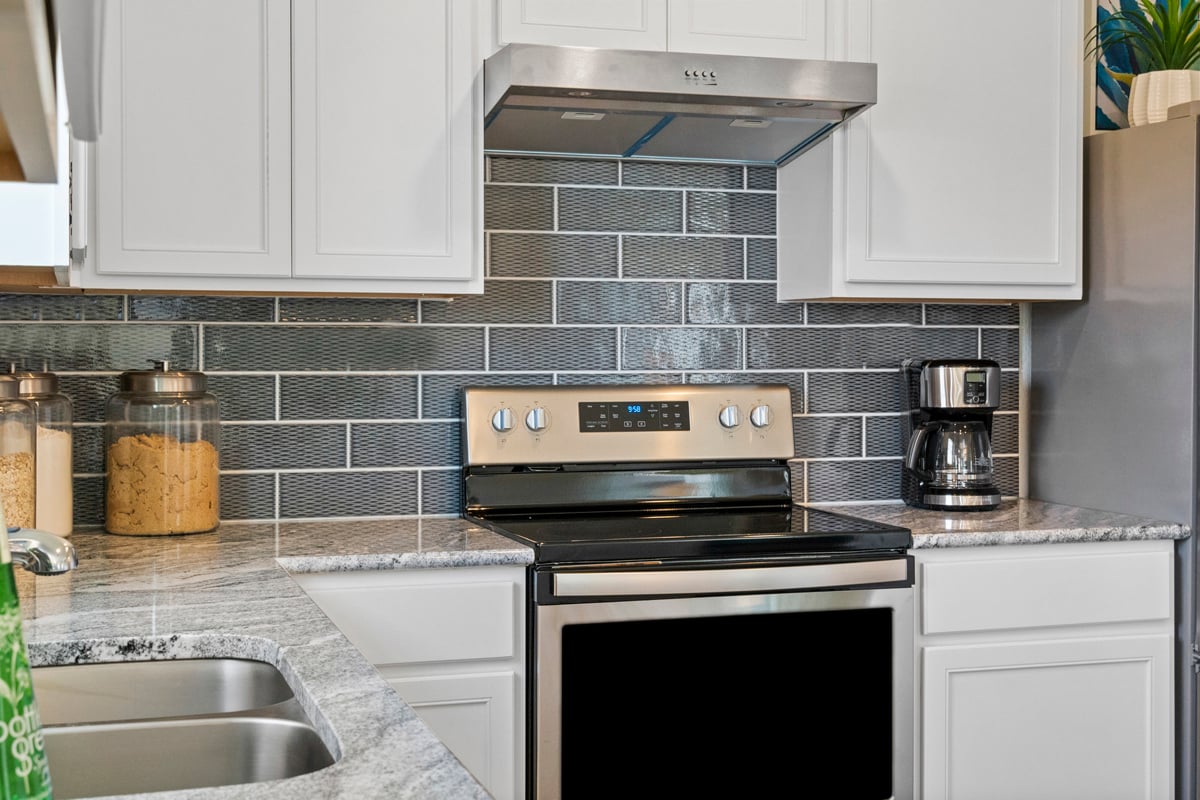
[(1153, 48)]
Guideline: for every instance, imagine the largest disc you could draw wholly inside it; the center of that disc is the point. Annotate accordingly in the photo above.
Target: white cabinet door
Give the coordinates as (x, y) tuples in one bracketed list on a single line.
[(193, 169), (619, 24), (473, 716), (769, 28), (963, 181), (387, 120), (1057, 718)]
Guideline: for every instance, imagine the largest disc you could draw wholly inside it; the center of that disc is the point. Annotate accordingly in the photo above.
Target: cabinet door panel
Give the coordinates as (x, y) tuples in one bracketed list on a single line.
[(967, 170), (770, 28), (194, 167), (1058, 718), (621, 24), (385, 156)]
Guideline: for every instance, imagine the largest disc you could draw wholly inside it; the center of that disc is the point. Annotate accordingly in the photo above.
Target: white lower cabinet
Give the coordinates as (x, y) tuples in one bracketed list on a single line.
[(452, 644), (1046, 671)]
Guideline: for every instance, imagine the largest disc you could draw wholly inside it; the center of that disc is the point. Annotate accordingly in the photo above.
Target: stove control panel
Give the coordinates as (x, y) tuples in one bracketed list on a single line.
[(624, 424)]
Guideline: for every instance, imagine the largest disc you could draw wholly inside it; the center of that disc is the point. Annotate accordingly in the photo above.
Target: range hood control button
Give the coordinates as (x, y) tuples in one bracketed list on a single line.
[(760, 417), (537, 419), (730, 417), (502, 420)]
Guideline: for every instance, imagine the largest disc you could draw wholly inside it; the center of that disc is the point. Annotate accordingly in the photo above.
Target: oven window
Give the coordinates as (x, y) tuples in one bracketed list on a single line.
[(732, 706)]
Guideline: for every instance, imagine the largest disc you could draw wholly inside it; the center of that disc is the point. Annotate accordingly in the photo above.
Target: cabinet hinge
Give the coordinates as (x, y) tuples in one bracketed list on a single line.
[(78, 254)]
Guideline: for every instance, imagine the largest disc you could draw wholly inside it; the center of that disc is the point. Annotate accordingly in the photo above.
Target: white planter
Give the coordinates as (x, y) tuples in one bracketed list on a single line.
[(1152, 93)]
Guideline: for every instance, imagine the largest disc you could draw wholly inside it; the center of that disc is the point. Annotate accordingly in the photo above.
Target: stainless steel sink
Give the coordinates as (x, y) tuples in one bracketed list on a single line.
[(157, 725)]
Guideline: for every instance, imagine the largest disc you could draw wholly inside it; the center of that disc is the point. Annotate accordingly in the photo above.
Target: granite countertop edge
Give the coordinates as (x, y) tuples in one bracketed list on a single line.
[(230, 594)]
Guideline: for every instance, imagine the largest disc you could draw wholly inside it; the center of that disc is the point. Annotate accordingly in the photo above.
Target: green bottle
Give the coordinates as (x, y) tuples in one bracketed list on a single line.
[(24, 773)]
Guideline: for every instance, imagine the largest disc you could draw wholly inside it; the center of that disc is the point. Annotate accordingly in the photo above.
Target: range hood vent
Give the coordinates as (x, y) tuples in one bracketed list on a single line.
[(557, 101)]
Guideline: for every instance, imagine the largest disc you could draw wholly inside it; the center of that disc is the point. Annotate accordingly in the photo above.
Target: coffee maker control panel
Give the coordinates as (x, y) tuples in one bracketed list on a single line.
[(975, 388)]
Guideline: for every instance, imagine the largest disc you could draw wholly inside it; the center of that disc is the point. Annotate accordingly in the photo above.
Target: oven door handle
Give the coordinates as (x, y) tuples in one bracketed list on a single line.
[(732, 580)]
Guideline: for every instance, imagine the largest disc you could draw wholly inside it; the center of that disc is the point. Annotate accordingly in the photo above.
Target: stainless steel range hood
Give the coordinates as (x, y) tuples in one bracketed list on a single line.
[(666, 106)]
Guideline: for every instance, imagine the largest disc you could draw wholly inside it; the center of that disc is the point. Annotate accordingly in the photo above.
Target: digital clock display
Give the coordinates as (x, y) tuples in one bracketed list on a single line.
[(633, 416)]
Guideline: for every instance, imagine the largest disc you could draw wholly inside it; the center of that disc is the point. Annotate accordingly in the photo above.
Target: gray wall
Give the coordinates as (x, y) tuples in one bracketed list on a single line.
[(597, 272)]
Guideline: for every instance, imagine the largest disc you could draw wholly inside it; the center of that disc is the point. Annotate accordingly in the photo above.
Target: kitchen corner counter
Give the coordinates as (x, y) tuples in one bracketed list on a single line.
[(1018, 521), (228, 594)]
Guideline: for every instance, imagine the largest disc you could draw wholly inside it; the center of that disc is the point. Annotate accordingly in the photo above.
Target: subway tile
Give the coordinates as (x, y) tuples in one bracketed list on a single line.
[(282, 446), (1008, 476), (619, 378), (441, 395), (244, 397), (793, 380), (731, 212), (528, 302), (702, 257), (856, 392), (248, 496), (441, 491), (616, 303), (62, 307), (798, 473), (318, 397), (552, 255), (854, 348), (301, 348), (1010, 391), (198, 308), (518, 208), (681, 348), (761, 178), (89, 394), (863, 313), (691, 176), (552, 170), (620, 210), (405, 444), (853, 481), (552, 349), (347, 309), (971, 314), (99, 346), (885, 437), (761, 255), (1005, 434), (1002, 345), (828, 437), (347, 494), (88, 501), (739, 304)]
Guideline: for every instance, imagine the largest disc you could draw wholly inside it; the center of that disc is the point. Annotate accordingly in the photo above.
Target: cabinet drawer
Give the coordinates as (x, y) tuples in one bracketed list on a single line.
[(1033, 590), (429, 622)]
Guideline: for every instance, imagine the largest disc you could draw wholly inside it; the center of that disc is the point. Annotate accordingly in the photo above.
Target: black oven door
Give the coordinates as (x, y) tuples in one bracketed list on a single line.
[(733, 681)]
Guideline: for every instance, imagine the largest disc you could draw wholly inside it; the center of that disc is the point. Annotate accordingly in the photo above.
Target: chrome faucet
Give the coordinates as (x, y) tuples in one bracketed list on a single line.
[(41, 552)]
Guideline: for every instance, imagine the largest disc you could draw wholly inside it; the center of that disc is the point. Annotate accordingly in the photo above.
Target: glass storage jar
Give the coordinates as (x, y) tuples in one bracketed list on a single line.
[(53, 415), (18, 473), (162, 440)]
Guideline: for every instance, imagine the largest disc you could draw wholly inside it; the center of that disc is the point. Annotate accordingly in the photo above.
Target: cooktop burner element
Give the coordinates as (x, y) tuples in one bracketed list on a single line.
[(647, 472)]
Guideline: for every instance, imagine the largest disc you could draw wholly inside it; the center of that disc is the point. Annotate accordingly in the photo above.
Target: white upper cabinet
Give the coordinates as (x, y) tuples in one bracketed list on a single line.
[(289, 147), (963, 182), (774, 28)]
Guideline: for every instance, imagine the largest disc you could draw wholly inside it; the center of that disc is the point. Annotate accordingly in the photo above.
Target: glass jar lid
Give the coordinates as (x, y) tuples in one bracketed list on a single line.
[(36, 382), (162, 379)]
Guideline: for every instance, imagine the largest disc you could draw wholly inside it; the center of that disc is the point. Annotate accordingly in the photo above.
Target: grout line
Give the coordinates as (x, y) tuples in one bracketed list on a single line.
[(349, 458)]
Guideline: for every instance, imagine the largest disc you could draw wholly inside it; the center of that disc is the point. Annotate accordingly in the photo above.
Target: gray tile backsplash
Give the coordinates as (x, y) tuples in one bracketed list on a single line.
[(597, 272)]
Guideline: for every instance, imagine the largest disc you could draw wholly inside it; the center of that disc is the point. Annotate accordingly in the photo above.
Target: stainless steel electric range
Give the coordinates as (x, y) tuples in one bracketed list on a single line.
[(693, 633)]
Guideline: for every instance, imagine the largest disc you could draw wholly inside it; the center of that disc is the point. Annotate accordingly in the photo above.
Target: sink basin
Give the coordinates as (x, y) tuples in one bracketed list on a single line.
[(146, 726), (129, 690)]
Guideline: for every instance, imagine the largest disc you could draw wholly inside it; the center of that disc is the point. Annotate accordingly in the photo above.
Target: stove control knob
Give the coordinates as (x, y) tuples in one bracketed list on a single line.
[(730, 417), (502, 420), (760, 416), (537, 419)]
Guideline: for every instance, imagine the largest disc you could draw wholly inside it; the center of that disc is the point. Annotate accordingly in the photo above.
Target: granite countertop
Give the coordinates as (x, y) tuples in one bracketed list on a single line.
[(1018, 521), (228, 594)]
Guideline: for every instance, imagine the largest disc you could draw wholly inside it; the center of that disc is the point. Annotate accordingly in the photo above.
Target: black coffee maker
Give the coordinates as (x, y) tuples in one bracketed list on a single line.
[(948, 434)]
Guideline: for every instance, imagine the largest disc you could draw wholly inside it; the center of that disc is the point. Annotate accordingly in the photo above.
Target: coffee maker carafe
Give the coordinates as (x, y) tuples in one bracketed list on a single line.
[(948, 434)]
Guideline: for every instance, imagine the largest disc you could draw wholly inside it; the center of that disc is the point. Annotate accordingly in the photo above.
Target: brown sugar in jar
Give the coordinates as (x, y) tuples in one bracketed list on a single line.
[(162, 454)]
